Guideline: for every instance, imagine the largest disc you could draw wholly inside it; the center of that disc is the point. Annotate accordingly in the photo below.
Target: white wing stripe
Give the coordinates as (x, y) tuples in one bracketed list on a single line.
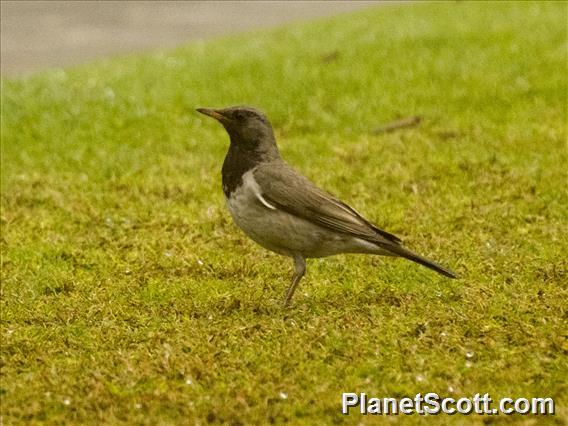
[(248, 179), (263, 201)]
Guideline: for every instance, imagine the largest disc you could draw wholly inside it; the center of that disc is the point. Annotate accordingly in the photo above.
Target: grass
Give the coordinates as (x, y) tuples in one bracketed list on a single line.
[(128, 296)]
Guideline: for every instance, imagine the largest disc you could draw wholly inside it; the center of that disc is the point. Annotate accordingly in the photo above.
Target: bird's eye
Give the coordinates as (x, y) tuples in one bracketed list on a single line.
[(239, 115)]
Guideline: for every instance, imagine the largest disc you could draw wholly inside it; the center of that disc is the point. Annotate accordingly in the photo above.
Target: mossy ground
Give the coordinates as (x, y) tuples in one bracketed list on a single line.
[(128, 296)]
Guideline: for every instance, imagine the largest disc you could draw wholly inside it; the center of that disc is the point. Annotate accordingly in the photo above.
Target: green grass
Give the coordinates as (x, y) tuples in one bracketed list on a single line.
[(128, 296)]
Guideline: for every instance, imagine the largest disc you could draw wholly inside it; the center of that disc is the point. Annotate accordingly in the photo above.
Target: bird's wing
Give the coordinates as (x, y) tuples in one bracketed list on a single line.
[(282, 187)]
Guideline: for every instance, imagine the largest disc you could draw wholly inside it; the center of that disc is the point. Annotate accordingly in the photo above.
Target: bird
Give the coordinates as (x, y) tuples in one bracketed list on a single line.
[(283, 211)]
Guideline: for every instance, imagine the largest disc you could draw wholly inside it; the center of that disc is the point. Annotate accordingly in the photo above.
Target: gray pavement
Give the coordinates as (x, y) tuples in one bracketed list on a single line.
[(41, 34)]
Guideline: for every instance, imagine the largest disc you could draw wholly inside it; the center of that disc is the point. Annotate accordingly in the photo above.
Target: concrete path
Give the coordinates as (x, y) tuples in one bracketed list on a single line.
[(41, 34)]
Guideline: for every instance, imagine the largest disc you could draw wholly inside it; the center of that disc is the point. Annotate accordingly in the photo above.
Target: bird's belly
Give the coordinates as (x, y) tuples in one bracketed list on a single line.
[(287, 234)]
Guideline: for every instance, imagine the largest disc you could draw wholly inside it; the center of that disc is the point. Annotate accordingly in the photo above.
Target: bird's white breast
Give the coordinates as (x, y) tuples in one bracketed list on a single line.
[(259, 219)]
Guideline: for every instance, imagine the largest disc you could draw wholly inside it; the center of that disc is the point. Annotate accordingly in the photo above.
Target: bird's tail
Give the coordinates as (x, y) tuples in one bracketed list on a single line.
[(407, 254)]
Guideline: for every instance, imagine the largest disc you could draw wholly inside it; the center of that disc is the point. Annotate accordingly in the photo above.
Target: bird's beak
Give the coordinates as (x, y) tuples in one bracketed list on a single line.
[(213, 113)]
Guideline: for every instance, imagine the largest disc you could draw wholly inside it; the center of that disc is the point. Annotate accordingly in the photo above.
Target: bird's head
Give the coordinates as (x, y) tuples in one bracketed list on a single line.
[(248, 128)]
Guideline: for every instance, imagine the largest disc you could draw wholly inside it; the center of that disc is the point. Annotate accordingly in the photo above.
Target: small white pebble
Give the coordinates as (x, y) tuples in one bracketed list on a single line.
[(468, 364), (200, 262), (127, 271), (109, 94), (210, 212), (138, 406), (168, 254), (469, 355), (67, 401), (189, 382), (283, 395), (443, 334), (419, 378), (450, 389)]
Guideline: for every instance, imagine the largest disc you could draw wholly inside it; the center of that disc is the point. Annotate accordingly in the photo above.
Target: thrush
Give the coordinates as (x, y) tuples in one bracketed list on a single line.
[(285, 212)]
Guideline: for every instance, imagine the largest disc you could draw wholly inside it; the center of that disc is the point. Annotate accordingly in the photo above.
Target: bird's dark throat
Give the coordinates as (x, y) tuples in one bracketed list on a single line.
[(237, 162)]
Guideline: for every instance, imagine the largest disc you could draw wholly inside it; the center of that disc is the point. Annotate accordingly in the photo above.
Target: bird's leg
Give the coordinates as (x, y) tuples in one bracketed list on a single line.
[(300, 270)]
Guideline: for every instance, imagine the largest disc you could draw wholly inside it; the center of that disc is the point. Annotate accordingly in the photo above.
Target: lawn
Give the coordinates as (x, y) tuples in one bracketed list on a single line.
[(129, 297)]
